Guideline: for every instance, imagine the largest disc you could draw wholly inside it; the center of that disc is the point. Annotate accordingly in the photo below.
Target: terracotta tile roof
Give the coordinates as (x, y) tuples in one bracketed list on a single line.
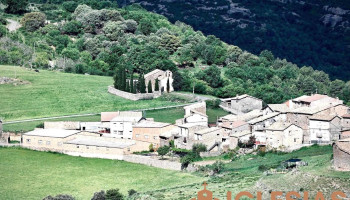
[(108, 116), (313, 98), (243, 117), (319, 117), (235, 124), (346, 116), (263, 118), (344, 145), (279, 126), (279, 107), (121, 116), (312, 110), (207, 130)]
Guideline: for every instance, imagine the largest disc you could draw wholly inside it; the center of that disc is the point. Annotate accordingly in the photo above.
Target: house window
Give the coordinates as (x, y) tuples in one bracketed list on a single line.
[(87, 147), (40, 142), (128, 149), (295, 140), (137, 135), (48, 143), (155, 137), (146, 136), (28, 140), (77, 146)]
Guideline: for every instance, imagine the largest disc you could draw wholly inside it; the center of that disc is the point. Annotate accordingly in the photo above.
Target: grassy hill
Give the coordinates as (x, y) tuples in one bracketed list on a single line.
[(52, 93)]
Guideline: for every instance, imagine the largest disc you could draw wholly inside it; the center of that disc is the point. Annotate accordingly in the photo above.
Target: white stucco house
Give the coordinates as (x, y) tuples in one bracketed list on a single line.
[(324, 128)]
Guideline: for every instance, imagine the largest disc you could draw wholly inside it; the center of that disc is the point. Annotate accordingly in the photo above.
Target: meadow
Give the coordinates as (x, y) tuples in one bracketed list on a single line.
[(53, 93), (27, 174)]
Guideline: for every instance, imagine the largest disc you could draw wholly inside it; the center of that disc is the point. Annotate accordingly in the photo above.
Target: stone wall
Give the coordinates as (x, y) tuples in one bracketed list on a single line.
[(164, 164), (134, 97), (67, 125), (341, 159)]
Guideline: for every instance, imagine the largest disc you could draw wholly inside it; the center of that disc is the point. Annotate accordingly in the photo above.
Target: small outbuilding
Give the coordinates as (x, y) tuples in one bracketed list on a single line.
[(341, 155)]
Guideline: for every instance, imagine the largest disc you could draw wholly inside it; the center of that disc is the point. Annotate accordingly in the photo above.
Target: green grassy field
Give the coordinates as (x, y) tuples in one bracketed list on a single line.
[(27, 174), (164, 115), (53, 93)]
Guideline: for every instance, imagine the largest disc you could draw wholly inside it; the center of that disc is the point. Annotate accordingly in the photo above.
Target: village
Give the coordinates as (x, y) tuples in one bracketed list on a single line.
[(303, 121)]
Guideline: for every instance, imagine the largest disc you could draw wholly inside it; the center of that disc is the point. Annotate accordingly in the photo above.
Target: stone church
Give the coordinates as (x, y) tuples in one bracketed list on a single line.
[(163, 77)]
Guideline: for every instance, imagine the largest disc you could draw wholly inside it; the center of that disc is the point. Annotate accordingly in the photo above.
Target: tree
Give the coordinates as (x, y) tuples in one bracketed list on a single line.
[(72, 27), (114, 194), (156, 87), (70, 6), (127, 88), (162, 151), (146, 26), (132, 88), (197, 148), (149, 87), (150, 148), (33, 21), (15, 6), (168, 85), (142, 84)]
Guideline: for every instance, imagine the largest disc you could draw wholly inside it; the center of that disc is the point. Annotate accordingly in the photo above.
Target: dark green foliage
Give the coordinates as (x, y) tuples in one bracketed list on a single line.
[(114, 194), (33, 21), (168, 85), (217, 167), (127, 88), (72, 28), (162, 151), (212, 76), (249, 144), (15, 6), (215, 103), (197, 148), (149, 87), (70, 6), (156, 86), (132, 86), (172, 143), (132, 192), (150, 148), (142, 84), (146, 26), (99, 195), (60, 197)]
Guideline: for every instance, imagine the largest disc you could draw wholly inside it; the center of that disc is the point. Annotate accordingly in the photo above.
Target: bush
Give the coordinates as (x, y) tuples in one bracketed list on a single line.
[(150, 147), (132, 192), (213, 103), (41, 125), (72, 28), (162, 151), (197, 148), (60, 197), (99, 195), (114, 194), (261, 153), (187, 159), (217, 166), (33, 21), (70, 6)]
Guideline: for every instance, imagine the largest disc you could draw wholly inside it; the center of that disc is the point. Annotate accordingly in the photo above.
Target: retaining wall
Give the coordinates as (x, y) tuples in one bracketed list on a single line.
[(134, 97), (164, 164)]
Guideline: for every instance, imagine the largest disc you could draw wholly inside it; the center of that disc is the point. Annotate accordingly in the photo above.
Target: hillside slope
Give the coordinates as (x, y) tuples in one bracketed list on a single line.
[(315, 33)]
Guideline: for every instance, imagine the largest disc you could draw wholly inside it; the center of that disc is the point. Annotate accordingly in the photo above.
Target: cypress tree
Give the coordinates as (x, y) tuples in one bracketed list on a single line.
[(139, 84), (117, 79), (123, 86), (149, 88), (142, 84), (127, 88), (168, 85), (156, 87), (132, 82)]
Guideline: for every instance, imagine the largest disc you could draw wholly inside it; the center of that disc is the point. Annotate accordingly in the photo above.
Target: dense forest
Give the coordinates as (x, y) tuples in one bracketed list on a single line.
[(100, 38), (313, 33)]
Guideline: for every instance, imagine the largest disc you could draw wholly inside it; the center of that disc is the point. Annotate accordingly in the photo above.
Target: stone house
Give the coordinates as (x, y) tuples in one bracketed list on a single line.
[(346, 121), (47, 139), (210, 137), (282, 136), (150, 132), (324, 128), (185, 137), (241, 104), (233, 138), (341, 155), (234, 127), (315, 100), (119, 124), (273, 108), (195, 114), (345, 134), (163, 77), (243, 117)]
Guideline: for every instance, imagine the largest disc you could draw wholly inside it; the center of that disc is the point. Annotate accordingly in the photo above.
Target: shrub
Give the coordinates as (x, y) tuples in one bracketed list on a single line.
[(132, 192), (172, 143), (70, 6), (162, 151), (72, 28), (33, 21), (150, 147), (261, 153), (217, 166), (213, 103), (197, 148), (60, 197), (41, 125), (99, 195), (114, 194), (187, 159)]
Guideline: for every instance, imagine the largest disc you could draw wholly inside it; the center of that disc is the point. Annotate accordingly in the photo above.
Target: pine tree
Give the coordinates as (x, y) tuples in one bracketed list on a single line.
[(149, 88), (156, 87), (168, 85)]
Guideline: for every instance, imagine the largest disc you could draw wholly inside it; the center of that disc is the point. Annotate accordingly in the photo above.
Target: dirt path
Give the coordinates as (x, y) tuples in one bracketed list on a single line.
[(13, 25)]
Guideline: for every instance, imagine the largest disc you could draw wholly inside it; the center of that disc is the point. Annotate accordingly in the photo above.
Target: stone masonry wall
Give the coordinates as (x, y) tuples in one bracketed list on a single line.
[(131, 96), (164, 164), (341, 159)]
